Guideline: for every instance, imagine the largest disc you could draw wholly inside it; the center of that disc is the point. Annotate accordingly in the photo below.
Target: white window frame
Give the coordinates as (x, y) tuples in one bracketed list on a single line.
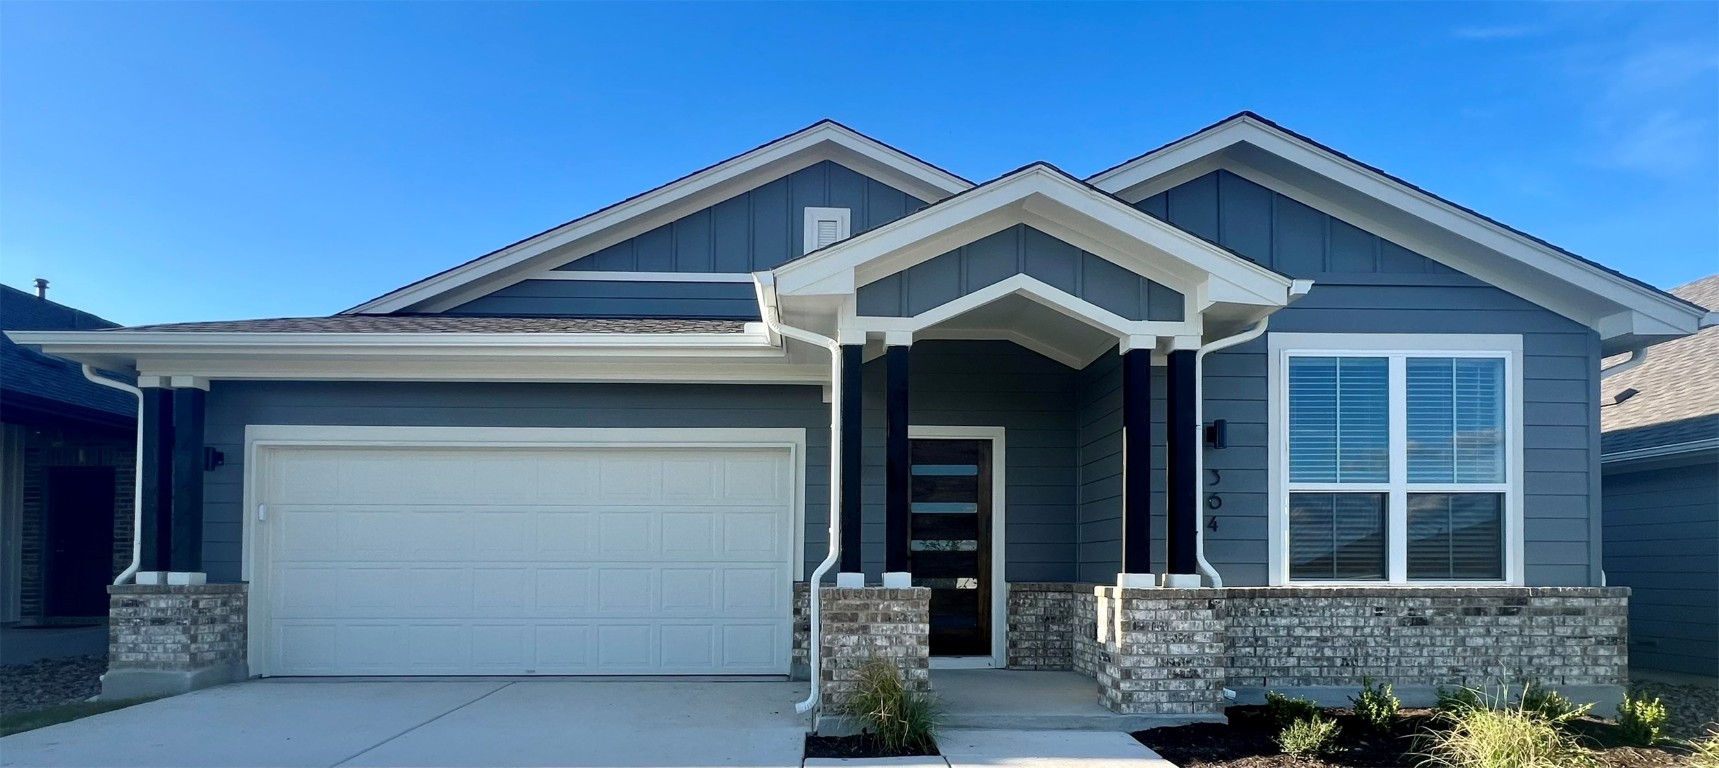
[(843, 217), (1396, 348)]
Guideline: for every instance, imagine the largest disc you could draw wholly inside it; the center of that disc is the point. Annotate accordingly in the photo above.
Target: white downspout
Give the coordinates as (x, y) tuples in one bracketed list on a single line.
[(1253, 332), (764, 282), (136, 475), (1637, 356)]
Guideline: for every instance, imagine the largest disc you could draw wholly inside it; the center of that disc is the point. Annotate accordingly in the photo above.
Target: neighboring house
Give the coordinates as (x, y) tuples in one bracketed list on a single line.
[(614, 447), (1660, 457), (65, 473)]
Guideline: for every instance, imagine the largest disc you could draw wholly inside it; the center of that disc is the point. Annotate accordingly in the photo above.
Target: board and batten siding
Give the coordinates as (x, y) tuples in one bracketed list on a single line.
[(1662, 541), (232, 405), (1019, 250), (755, 230), (990, 384)]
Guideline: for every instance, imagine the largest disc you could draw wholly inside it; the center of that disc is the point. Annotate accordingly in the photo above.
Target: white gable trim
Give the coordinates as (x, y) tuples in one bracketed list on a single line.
[(1062, 207), (592, 233), (1584, 292)]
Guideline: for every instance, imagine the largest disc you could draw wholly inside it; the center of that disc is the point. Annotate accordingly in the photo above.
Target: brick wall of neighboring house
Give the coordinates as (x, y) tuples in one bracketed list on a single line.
[(46, 447)]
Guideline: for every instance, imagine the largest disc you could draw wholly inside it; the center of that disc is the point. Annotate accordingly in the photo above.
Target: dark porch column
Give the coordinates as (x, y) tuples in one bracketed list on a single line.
[(853, 362), (187, 549), (898, 461), (1137, 461), (1182, 439), (156, 532)]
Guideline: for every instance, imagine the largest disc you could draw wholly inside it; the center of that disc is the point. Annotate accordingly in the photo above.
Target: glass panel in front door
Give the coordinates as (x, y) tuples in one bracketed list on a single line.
[(949, 547)]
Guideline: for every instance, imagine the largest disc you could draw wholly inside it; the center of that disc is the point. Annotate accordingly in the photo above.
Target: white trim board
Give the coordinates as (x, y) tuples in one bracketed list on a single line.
[(1282, 346), (260, 439), (825, 140), (999, 524), (1468, 242)]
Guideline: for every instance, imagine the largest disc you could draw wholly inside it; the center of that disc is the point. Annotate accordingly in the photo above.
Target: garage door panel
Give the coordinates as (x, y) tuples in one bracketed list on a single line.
[(529, 561)]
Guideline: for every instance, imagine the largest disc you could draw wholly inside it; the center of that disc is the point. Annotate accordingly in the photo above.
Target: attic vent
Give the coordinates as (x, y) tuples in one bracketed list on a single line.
[(825, 226)]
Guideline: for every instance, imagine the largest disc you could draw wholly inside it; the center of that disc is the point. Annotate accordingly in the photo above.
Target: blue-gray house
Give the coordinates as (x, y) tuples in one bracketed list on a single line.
[(1241, 412), (1660, 460)]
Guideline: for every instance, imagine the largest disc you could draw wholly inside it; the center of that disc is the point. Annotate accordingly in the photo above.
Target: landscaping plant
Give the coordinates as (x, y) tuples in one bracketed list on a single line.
[(1284, 710), (1704, 753), (1508, 737), (1551, 704), (1455, 701), (903, 720), (1377, 705), (1308, 737), (1642, 720)]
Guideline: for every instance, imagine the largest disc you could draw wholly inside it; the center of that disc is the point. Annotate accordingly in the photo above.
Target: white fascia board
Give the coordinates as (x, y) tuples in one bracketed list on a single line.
[(702, 370), (1662, 315), (1043, 198), (824, 141)]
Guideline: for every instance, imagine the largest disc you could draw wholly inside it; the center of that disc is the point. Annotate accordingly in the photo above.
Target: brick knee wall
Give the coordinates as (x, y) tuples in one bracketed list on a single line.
[(868, 623), (1042, 620), (176, 628)]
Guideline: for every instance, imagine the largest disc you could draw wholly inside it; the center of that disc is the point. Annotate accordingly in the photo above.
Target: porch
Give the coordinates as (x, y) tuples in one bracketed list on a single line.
[(1036, 700)]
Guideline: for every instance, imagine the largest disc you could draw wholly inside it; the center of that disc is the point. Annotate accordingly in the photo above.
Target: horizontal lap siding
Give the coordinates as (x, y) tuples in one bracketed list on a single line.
[(1662, 541), (990, 384), (234, 405)]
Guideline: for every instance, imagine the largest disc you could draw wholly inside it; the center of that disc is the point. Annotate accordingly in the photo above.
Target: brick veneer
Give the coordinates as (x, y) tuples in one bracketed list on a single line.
[(1172, 651), (861, 624), (171, 639)]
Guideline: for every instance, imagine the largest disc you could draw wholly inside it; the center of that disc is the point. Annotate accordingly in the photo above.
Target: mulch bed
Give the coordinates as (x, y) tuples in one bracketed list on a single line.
[(858, 745), (1246, 742), (49, 682)]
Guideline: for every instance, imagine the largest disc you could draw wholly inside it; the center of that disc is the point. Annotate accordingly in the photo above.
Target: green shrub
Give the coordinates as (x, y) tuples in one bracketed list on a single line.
[(1705, 752), (1377, 705), (1285, 711), (1308, 737), (1484, 737), (901, 719), (1455, 701), (1551, 705), (1642, 720)]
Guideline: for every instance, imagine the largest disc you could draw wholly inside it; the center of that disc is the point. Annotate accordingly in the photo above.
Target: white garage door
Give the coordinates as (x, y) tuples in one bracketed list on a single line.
[(510, 561)]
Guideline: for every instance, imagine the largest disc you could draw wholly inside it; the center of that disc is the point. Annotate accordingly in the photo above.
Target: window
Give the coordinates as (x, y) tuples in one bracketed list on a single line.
[(1395, 458), (825, 226)]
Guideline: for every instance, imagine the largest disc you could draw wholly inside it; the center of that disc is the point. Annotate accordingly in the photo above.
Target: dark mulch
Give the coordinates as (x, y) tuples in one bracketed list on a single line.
[(858, 745), (49, 683), (1246, 742)]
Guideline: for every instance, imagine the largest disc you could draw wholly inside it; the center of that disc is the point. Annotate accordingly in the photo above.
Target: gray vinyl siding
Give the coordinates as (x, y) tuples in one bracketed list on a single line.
[(233, 404), (1285, 235), (755, 230), (1662, 541), (617, 298), (990, 384), (1098, 403), (1018, 250)]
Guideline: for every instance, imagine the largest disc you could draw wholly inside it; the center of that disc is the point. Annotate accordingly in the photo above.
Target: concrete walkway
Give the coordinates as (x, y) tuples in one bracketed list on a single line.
[(1046, 749), (436, 724)]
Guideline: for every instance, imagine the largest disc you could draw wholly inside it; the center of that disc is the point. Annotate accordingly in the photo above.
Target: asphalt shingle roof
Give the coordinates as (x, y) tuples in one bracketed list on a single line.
[(26, 372), (1677, 398), (449, 324)]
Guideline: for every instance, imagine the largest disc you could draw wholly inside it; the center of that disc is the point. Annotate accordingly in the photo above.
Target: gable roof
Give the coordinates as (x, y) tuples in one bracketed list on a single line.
[(43, 381), (824, 140), (1677, 388), (1627, 312)]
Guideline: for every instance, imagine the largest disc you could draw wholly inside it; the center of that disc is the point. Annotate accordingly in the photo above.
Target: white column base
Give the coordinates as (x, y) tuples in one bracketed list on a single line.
[(1182, 580), (850, 580), (186, 578), (897, 580), (1137, 580), (151, 578)]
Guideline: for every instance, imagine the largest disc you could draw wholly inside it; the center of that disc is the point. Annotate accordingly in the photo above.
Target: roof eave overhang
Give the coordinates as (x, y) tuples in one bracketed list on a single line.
[(589, 234), (1044, 198), (1625, 313)]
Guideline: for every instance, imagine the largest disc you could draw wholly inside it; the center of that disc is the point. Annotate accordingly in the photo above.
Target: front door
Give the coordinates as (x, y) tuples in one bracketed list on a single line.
[(80, 540), (950, 546)]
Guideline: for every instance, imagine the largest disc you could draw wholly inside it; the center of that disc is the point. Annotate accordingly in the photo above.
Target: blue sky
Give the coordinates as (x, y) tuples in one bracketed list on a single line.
[(168, 162)]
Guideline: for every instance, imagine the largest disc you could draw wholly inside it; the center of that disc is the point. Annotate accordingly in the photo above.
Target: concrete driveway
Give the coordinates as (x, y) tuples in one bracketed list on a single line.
[(434, 723)]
